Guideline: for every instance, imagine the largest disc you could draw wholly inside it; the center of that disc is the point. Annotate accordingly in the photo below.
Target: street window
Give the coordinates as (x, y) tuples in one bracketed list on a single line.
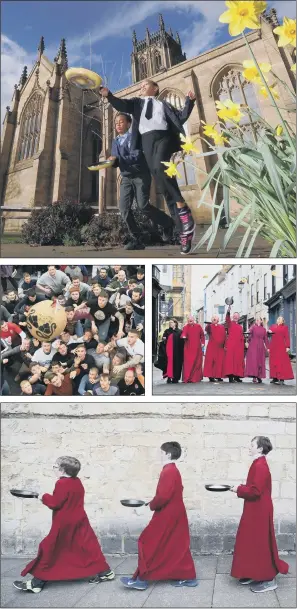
[(265, 286)]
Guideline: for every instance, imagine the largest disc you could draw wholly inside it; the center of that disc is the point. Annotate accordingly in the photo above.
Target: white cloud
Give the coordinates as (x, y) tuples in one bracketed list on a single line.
[(13, 59)]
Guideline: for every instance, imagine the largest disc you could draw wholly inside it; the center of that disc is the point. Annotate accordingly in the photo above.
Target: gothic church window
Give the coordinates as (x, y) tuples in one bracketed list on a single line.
[(30, 128), (232, 85), (142, 68), (158, 61), (186, 170)]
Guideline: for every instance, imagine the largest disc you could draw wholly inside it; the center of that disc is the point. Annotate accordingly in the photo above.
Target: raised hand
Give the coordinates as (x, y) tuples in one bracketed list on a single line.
[(104, 91), (191, 95)]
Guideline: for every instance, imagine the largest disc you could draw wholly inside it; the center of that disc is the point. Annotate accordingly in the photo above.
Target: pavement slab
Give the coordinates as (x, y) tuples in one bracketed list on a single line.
[(229, 593), (160, 387), (215, 588), (286, 591), (165, 595)]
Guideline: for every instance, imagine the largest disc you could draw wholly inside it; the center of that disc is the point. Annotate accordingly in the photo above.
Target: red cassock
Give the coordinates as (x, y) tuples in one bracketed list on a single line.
[(192, 368), (279, 361), (234, 349), (214, 356), (255, 551), (164, 545), (71, 549)]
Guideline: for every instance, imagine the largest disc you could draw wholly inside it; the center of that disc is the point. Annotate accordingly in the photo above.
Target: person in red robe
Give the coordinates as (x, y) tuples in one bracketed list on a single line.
[(257, 345), (234, 349), (194, 338), (164, 545), (279, 362), (214, 356), (255, 559), (71, 549)]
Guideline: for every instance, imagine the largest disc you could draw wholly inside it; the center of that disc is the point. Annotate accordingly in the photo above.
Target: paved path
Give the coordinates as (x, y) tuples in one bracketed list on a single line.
[(247, 387), (22, 250), (216, 588)]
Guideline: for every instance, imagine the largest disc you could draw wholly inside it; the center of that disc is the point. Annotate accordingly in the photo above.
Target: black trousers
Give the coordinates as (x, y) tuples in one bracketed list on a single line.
[(12, 280), (139, 188), (157, 147)]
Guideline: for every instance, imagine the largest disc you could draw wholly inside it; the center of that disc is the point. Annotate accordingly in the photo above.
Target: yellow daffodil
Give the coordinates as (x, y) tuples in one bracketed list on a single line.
[(264, 93), (228, 110), (251, 71), (286, 32), (220, 140), (293, 68), (242, 14), (279, 130), (188, 145), (212, 133), (172, 169)]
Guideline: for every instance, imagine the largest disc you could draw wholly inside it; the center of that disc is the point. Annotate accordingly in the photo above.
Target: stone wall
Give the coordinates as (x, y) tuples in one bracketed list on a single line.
[(118, 445)]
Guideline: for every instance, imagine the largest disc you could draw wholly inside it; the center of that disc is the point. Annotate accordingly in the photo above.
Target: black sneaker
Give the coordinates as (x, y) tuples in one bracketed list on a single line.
[(186, 242), (220, 380), (187, 222), (27, 586), (134, 245), (102, 577)]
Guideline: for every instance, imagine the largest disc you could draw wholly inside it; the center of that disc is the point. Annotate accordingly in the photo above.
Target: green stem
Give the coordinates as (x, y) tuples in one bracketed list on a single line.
[(269, 92)]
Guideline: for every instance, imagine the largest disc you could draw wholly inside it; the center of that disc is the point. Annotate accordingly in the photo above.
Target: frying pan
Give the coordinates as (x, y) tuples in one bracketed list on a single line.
[(101, 165), (229, 301), (25, 494), (217, 488), (132, 502)]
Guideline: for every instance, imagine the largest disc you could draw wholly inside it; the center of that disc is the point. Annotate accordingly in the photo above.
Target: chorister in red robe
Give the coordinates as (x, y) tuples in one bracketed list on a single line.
[(193, 356), (214, 356), (255, 552), (279, 361), (255, 363), (71, 549), (234, 349), (164, 545)]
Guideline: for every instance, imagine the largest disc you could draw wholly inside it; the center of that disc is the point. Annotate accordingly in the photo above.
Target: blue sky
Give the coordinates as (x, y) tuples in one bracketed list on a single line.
[(109, 25)]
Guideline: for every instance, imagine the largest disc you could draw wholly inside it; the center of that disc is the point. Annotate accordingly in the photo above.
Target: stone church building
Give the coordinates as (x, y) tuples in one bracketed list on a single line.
[(53, 130)]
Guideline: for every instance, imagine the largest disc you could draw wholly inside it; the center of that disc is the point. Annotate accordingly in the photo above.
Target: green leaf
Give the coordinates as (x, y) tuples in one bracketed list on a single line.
[(235, 224)]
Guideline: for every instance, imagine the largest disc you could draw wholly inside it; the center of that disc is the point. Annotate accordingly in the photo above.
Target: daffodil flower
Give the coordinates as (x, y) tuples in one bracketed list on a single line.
[(242, 14), (251, 71), (228, 110), (279, 130), (286, 32), (172, 169), (188, 145), (212, 133), (264, 93)]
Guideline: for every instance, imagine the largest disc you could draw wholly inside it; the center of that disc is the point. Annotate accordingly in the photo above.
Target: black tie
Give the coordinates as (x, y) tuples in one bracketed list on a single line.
[(149, 109)]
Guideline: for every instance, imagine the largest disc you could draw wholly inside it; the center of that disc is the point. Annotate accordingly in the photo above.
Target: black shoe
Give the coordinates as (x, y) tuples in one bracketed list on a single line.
[(186, 220), (238, 379), (169, 380), (26, 586), (134, 245), (186, 242), (259, 380), (211, 379), (102, 577), (274, 381), (220, 380)]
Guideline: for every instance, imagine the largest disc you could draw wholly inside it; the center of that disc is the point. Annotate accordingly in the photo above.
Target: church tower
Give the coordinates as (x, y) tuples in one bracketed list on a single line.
[(156, 53)]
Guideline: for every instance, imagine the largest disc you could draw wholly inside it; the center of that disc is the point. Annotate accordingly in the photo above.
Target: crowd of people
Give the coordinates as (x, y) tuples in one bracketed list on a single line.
[(100, 349), (230, 353)]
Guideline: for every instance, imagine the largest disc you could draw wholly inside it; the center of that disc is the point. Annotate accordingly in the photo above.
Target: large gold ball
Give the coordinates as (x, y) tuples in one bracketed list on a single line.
[(46, 320)]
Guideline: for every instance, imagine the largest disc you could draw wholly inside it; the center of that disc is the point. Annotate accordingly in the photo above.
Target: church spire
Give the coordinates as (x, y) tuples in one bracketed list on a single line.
[(24, 77), (41, 48), (62, 59), (134, 38), (161, 23), (177, 38)]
